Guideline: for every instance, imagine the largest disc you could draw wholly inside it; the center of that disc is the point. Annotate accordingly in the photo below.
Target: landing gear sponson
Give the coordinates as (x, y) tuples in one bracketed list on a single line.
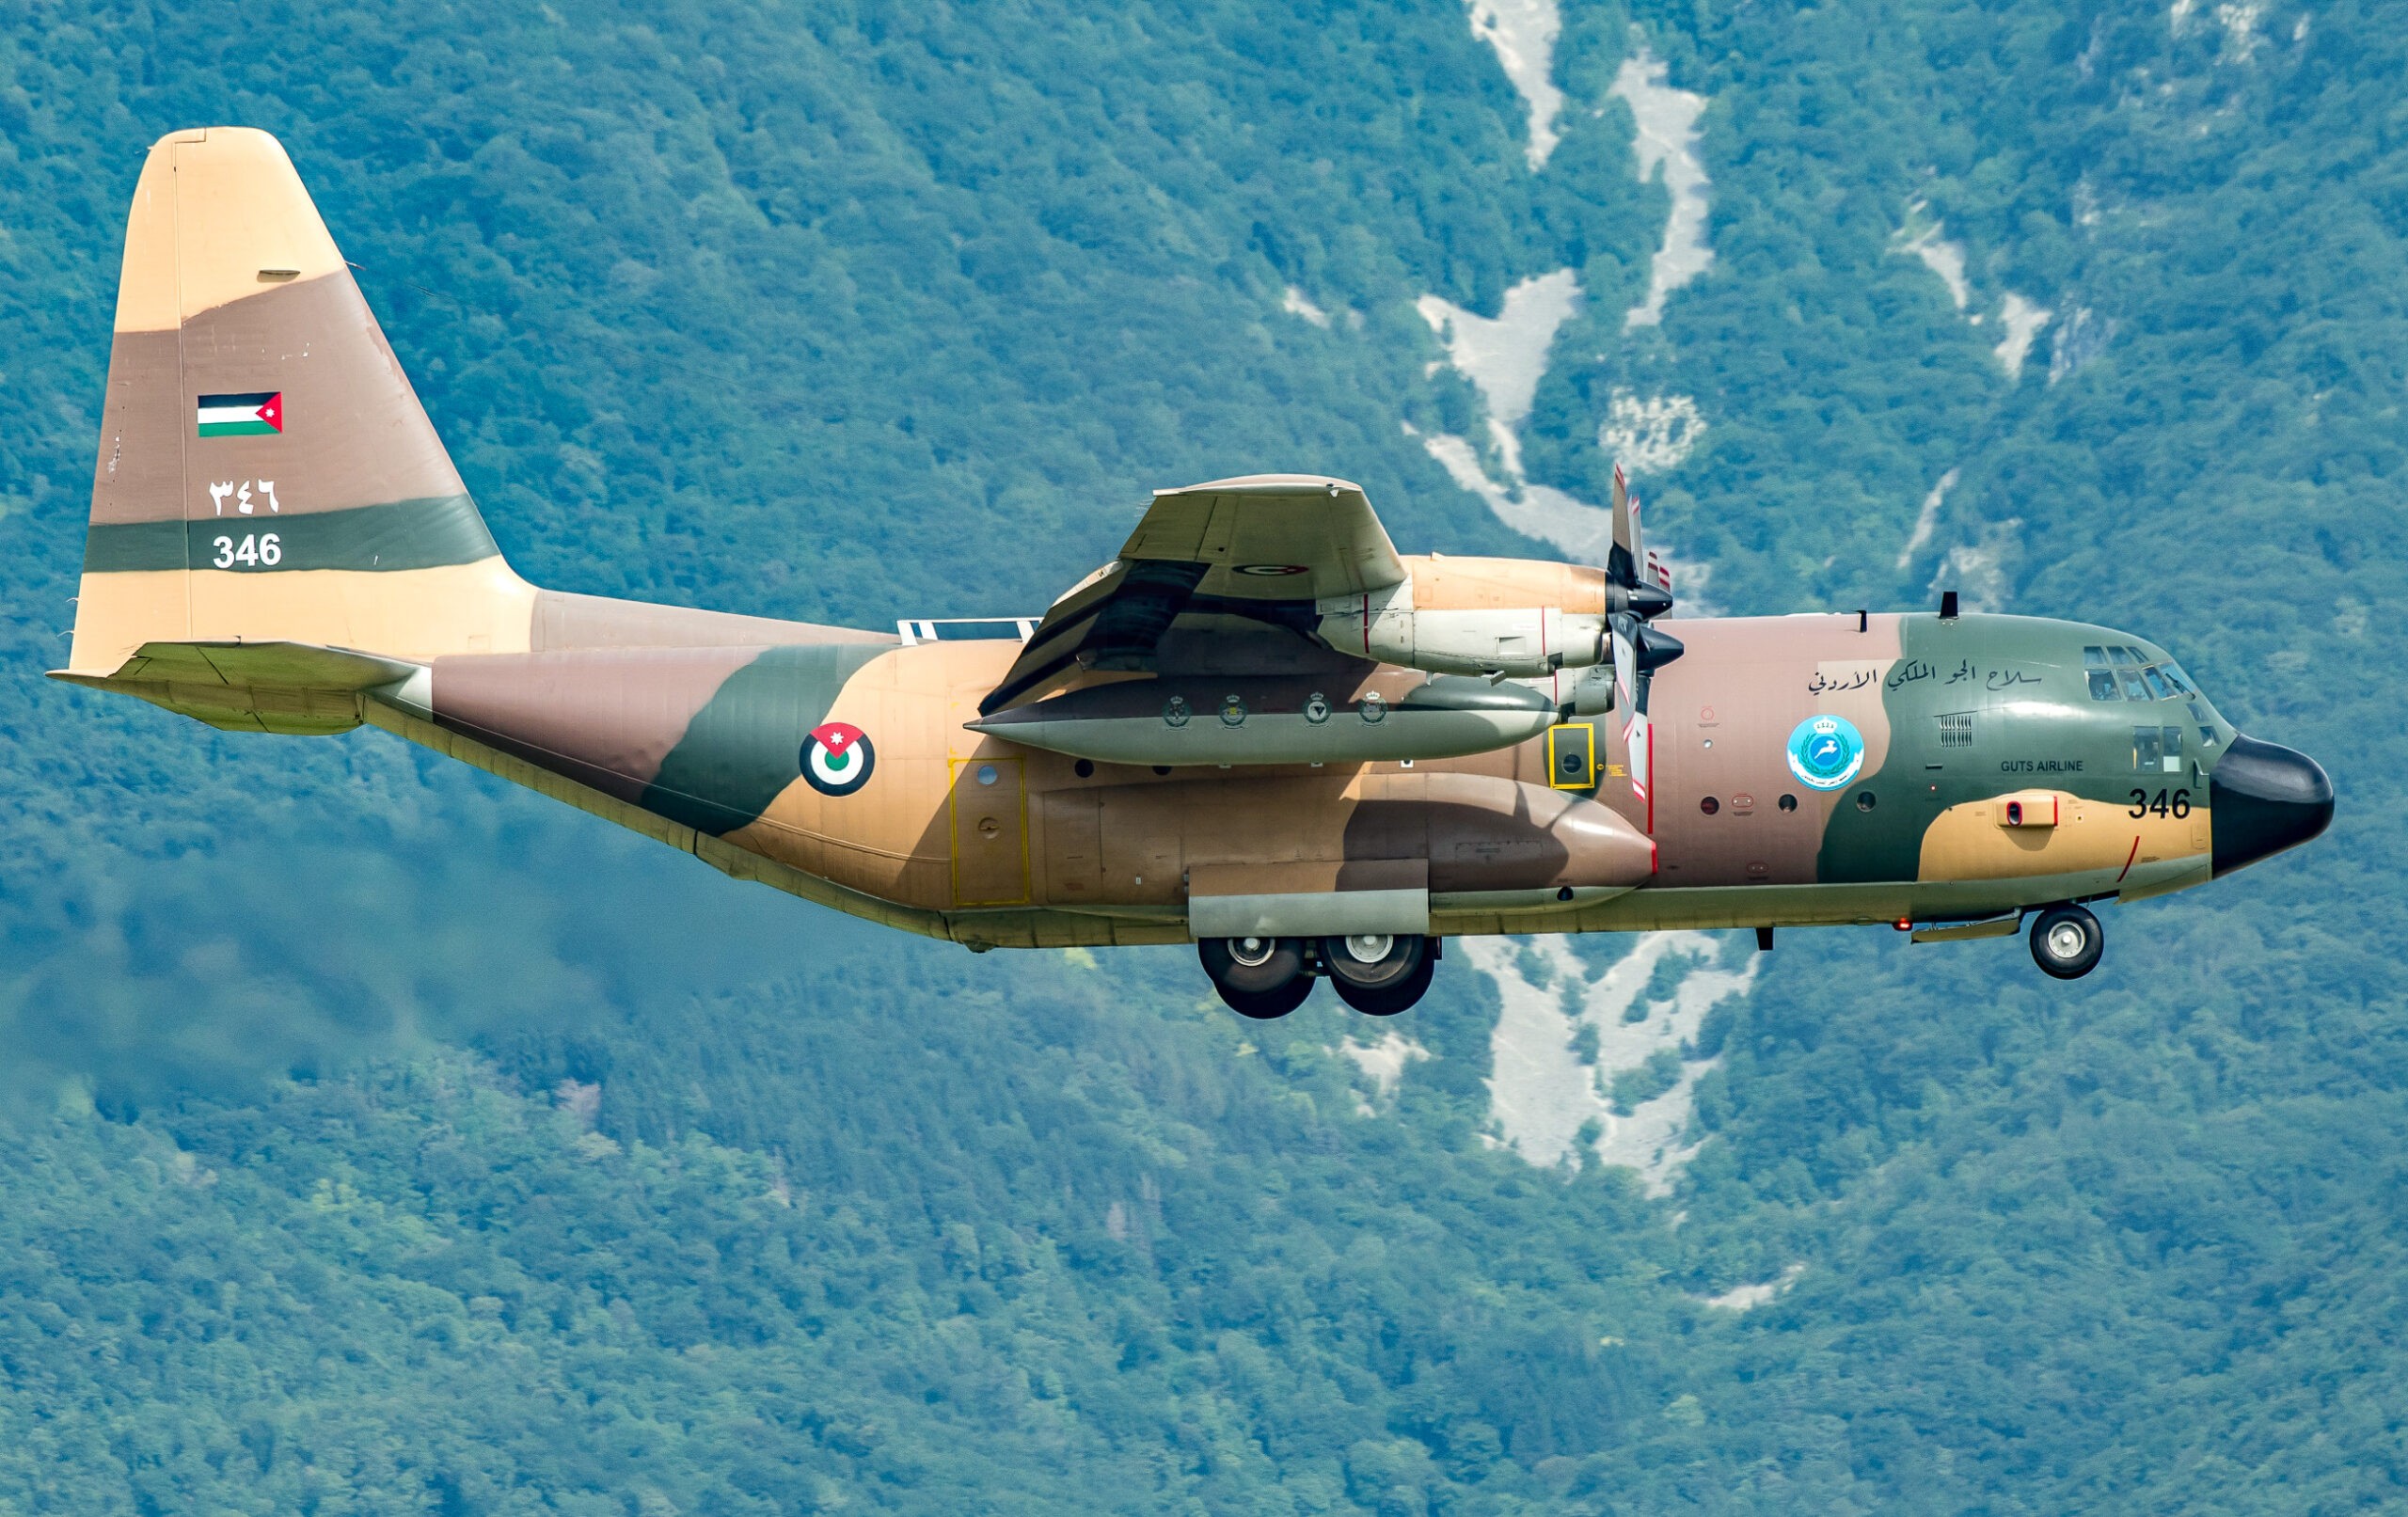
[(1376, 974)]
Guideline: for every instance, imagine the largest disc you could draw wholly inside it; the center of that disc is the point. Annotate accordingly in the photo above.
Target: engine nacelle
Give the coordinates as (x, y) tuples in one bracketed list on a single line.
[(1521, 641)]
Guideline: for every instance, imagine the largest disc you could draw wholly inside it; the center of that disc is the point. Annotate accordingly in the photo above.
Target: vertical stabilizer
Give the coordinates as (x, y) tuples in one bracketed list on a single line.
[(265, 471)]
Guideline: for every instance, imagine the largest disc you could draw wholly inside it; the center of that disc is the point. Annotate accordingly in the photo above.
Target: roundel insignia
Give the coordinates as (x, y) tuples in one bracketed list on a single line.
[(1272, 571), (1825, 752), (838, 758)]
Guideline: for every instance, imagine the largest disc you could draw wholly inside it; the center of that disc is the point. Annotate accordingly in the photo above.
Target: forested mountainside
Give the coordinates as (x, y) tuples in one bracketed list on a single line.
[(379, 1139)]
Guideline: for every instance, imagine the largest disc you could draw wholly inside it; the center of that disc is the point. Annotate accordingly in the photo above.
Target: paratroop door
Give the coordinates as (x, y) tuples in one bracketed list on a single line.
[(990, 833)]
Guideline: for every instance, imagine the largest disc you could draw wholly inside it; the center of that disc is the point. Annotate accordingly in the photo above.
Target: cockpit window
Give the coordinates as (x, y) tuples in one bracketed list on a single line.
[(2102, 679), (2128, 662), (2118, 671), (2206, 731)]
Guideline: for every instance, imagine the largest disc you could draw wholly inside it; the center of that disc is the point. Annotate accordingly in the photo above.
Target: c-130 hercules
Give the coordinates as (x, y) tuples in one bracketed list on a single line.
[(1259, 728)]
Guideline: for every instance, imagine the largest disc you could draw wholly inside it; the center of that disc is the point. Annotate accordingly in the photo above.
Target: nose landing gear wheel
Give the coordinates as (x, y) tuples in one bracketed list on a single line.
[(1258, 977), (1376, 974), (2066, 941)]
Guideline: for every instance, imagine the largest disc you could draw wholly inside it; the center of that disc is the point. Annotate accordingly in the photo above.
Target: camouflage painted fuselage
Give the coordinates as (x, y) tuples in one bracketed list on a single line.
[(965, 836)]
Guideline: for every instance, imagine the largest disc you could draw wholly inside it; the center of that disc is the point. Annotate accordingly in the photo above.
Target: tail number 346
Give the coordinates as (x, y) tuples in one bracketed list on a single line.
[(252, 550)]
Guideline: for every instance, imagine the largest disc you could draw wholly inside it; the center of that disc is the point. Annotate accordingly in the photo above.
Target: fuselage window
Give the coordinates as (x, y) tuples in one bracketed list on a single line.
[(1956, 730), (2157, 749), (2102, 679)]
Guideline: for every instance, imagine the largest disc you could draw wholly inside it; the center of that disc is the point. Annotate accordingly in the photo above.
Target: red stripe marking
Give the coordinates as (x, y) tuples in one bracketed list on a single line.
[(2129, 858)]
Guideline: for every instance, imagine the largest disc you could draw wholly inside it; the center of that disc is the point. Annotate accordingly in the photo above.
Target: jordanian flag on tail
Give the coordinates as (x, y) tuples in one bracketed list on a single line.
[(257, 415)]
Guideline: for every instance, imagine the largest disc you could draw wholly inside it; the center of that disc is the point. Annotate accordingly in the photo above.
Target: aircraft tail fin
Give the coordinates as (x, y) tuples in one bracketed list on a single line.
[(267, 473)]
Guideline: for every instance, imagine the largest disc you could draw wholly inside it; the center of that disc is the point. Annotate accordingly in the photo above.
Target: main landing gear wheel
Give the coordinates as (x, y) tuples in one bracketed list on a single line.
[(2067, 941), (1376, 974), (1258, 977)]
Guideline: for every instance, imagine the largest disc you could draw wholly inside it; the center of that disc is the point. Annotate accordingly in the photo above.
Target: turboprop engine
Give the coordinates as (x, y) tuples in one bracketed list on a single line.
[(1521, 642), (1504, 618)]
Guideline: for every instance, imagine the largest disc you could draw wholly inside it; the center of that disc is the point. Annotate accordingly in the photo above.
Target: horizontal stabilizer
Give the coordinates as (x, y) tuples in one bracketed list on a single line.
[(293, 687)]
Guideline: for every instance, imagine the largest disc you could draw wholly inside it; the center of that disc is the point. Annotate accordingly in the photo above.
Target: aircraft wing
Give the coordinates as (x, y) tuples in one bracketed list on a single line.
[(1265, 546)]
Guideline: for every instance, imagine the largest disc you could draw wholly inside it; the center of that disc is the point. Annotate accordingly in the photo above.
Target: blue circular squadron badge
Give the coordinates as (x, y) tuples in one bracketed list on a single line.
[(1825, 752)]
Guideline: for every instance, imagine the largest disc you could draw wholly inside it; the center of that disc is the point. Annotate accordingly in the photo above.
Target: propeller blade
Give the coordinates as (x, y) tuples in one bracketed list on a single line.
[(1639, 581), (1638, 650), (1623, 628), (1638, 741), (1623, 561), (1633, 646), (1638, 543)]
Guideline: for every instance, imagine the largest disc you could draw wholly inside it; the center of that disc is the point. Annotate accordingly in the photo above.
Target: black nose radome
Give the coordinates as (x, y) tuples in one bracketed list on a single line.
[(2264, 797)]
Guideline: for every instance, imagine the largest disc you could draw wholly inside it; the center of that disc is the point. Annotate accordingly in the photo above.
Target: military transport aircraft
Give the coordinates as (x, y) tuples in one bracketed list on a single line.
[(1260, 728)]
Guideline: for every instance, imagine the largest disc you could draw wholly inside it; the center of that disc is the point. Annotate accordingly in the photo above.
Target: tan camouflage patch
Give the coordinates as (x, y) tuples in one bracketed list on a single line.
[(1976, 840), (259, 228)]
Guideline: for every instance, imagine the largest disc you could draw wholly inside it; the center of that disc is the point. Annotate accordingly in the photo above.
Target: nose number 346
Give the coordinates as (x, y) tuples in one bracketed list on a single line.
[(253, 550)]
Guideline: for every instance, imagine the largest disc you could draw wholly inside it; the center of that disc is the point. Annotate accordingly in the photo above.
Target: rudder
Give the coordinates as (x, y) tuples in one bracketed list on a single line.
[(265, 470)]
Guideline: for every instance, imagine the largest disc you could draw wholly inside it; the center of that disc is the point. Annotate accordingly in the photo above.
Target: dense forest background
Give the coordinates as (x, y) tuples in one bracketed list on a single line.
[(381, 1140)]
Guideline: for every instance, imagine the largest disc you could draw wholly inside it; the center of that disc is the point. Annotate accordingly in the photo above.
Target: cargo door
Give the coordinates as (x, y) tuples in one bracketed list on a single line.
[(990, 807)]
